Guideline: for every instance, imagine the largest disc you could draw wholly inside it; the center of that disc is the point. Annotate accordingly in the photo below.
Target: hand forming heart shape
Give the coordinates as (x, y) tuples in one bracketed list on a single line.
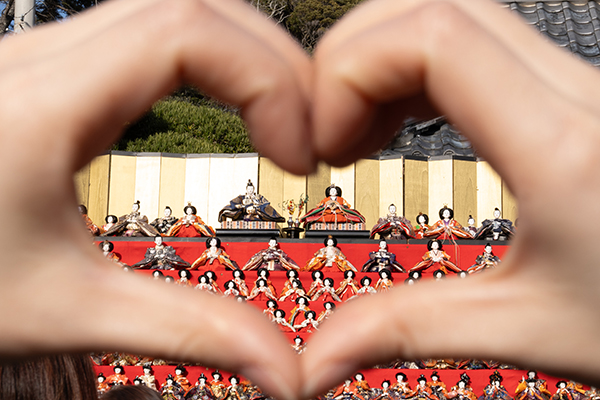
[(530, 109)]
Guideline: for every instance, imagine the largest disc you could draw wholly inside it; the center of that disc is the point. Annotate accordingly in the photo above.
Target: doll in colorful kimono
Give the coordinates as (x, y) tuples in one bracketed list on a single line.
[(291, 276), (271, 258), (422, 226), (327, 312), (365, 287), (204, 284), (422, 391), (309, 324), (461, 391), (385, 282), (328, 257), (297, 313), (217, 385), (201, 390), (185, 277), (485, 260), (212, 280), (270, 310), (298, 345), (263, 273), (435, 256), (382, 259), (361, 385), (347, 288), (495, 390), (94, 229), (118, 377), (162, 257), (171, 390), (438, 388), (317, 283), (239, 279), (190, 225), (497, 228), (347, 391), (332, 209), (401, 388), (393, 227), (282, 322), (326, 292), (447, 227), (471, 226), (577, 390), (132, 224), (102, 386), (261, 291), (385, 393), (231, 289), (147, 377), (107, 251), (181, 379), (213, 252), (532, 387), (164, 223), (250, 207), (110, 220), (292, 293)]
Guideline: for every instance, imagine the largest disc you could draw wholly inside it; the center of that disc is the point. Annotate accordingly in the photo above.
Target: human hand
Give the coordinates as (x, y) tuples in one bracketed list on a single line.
[(72, 87), (532, 111)]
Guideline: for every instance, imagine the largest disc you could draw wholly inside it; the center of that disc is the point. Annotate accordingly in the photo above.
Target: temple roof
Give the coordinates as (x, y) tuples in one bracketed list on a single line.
[(572, 25)]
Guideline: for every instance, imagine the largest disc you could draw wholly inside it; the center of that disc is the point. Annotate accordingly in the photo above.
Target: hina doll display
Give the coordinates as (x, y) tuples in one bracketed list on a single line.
[(271, 258), (365, 287), (161, 257), (348, 288), (435, 256), (485, 260), (89, 224), (180, 378), (309, 324), (293, 292), (270, 310), (401, 388), (171, 390), (110, 220), (461, 391), (147, 377), (495, 229), (447, 228), (239, 279), (190, 225), (438, 388), (301, 308), (328, 257), (317, 283), (261, 291), (164, 223), (185, 277), (422, 226), (393, 227), (495, 390), (217, 386), (102, 386), (231, 289), (382, 259), (282, 322), (385, 282), (213, 252), (107, 251), (532, 387), (326, 292), (332, 209), (118, 377), (298, 345), (201, 390), (327, 312), (250, 207), (132, 224)]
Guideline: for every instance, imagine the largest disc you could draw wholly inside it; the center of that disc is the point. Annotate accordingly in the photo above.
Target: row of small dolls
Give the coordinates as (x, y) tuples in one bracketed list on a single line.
[(333, 209), (164, 257)]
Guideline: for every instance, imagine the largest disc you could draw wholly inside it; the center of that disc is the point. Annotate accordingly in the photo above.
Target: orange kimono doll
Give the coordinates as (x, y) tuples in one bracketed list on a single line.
[(213, 252), (328, 257), (435, 255), (348, 288), (332, 209), (422, 225), (447, 227), (190, 225)]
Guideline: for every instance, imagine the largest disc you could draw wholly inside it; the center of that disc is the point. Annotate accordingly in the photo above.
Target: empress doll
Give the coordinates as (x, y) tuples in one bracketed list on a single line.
[(190, 225), (385, 282), (132, 224), (328, 257), (348, 288), (164, 223), (327, 291), (250, 207), (447, 227), (201, 390), (161, 256), (495, 229), (485, 260), (495, 390), (393, 226), (261, 291), (271, 258), (213, 252), (382, 259), (332, 209), (422, 225), (435, 256)]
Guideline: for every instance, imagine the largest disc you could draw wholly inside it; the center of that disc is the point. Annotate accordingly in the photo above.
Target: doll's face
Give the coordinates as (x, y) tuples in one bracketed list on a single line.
[(330, 243), (135, 207), (318, 275), (446, 214), (392, 209), (118, 371), (100, 379), (471, 221), (182, 274), (271, 304), (249, 189), (461, 384), (399, 378), (348, 274), (169, 382), (298, 341), (327, 283), (434, 378), (234, 381), (169, 279), (147, 371), (263, 274), (384, 275), (188, 211), (202, 279), (213, 243), (231, 285), (294, 284), (435, 246), (293, 274), (367, 281), (488, 249), (236, 274), (385, 385), (496, 383), (562, 385), (261, 283), (272, 243), (158, 240), (531, 374), (347, 382), (328, 306), (420, 220), (439, 275), (202, 381), (301, 301), (421, 383), (358, 377), (410, 282), (496, 213), (168, 212), (106, 247), (383, 245), (112, 220), (178, 371), (333, 192)]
